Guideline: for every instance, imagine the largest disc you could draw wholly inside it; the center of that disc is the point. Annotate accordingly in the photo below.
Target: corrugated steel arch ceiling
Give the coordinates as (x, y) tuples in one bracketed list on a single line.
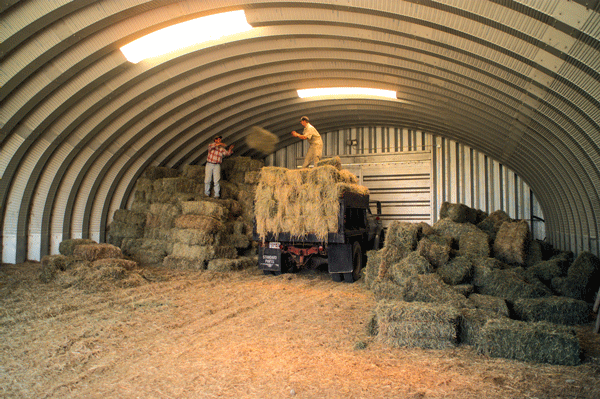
[(516, 80)]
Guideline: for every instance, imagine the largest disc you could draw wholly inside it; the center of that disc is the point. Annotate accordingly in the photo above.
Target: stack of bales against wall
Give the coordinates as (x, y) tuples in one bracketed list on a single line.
[(480, 280), (88, 265), (171, 222), (303, 201)]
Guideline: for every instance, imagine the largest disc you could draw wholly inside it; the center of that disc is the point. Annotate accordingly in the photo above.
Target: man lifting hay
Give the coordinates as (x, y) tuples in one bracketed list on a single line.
[(216, 151), (315, 149)]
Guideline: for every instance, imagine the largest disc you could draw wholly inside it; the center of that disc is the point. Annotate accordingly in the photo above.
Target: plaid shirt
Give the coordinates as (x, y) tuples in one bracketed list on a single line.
[(217, 152)]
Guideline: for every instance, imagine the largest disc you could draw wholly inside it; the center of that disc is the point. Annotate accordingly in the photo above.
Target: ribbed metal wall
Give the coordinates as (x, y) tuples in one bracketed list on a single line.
[(459, 174)]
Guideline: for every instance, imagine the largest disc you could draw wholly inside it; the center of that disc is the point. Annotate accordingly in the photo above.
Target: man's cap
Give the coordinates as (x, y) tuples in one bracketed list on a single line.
[(219, 137), (304, 118)]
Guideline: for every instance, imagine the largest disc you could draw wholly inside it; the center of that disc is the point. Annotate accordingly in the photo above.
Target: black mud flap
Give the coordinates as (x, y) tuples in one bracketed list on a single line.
[(269, 259), (339, 258)]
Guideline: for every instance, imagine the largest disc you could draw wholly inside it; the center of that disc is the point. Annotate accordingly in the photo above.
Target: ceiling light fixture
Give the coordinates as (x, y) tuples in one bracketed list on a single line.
[(347, 92), (185, 35)]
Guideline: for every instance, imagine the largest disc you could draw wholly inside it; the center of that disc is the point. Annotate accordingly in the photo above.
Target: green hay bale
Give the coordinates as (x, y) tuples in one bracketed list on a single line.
[(67, 247), (490, 303), (512, 242), (51, 264), (203, 253), (583, 278), (146, 251), (240, 164), (535, 253), (411, 265), (474, 244), (126, 230), (539, 342), (437, 254), (199, 237), (385, 289), (472, 322), (145, 185), (425, 230), (490, 263), (402, 235), (194, 172), (548, 270), (206, 208), (458, 213), (335, 162), (174, 185), (198, 222), (464, 289), (164, 214), (92, 252), (129, 217), (160, 172), (457, 271), (182, 263), (261, 140), (446, 227), (225, 265), (554, 309), (417, 325), (431, 288), (372, 268), (492, 223), (505, 284)]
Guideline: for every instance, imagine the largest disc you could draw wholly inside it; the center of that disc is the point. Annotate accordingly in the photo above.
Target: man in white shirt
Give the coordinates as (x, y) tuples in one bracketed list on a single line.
[(315, 148)]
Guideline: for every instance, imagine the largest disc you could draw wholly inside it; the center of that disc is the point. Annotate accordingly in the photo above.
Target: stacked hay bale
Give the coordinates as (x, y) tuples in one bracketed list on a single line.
[(90, 266), (302, 201), (172, 223), (511, 301)]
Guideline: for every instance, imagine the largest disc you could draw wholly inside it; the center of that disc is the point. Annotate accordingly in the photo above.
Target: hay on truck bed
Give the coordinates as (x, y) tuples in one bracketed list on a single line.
[(302, 202)]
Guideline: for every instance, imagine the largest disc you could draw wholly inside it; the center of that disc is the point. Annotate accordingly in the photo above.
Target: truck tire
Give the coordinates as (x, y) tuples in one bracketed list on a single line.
[(357, 264)]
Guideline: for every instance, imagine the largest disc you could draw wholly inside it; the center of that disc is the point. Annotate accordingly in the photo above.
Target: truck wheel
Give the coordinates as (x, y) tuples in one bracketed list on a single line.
[(357, 264)]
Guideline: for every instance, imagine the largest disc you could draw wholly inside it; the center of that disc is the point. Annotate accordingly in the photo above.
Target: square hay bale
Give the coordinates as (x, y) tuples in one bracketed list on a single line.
[(512, 242), (436, 253), (52, 264), (402, 235), (492, 223), (182, 263), (252, 177), (146, 251), (490, 303), (206, 208), (67, 247), (539, 342), (547, 270), (457, 271), (126, 230), (199, 237), (459, 213), (335, 161), (471, 323), (505, 284), (464, 289), (92, 252), (583, 278), (554, 309), (348, 177), (194, 172), (160, 172), (225, 265), (129, 217), (390, 255), (384, 288), (203, 253), (446, 227), (474, 243), (240, 164), (372, 267), (535, 253), (144, 184), (431, 288), (411, 265), (417, 325), (179, 185), (125, 264), (490, 263), (199, 222)]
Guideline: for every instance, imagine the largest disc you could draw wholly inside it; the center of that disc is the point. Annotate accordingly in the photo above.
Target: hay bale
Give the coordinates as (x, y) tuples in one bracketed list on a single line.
[(512, 242), (583, 278), (402, 235), (459, 213), (206, 208), (348, 177), (203, 253), (535, 253), (182, 263), (66, 247), (474, 244), (464, 289), (52, 264), (554, 309), (425, 229), (92, 252), (335, 161), (261, 140), (447, 227), (417, 325), (124, 264), (492, 223), (194, 172), (490, 263), (457, 271), (490, 303), (539, 342), (199, 237), (225, 265), (437, 254), (146, 251), (472, 322), (411, 265), (198, 222), (372, 268), (129, 217), (252, 177), (160, 172), (505, 284), (126, 230), (144, 184), (547, 270), (385, 289), (431, 288)]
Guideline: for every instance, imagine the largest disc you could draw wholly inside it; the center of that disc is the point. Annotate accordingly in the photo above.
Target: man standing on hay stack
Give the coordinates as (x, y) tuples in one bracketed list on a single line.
[(315, 149), (216, 152)]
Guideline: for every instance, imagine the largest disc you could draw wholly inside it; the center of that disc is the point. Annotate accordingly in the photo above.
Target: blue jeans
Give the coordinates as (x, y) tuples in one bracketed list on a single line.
[(213, 172)]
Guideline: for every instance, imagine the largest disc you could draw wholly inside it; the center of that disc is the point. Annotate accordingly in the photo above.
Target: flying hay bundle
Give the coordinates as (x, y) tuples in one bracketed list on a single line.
[(262, 140)]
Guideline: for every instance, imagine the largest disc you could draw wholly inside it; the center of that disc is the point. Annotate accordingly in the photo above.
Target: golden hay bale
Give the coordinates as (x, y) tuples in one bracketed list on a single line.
[(512, 242), (66, 247), (261, 140), (182, 263), (491, 303), (324, 175), (492, 223), (252, 177), (459, 213), (431, 288), (474, 244), (372, 267), (457, 271), (159, 172), (335, 161), (447, 227), (437, 254), (296, 177), (206, 208), (198, 237), (92, 252), (203, 252), (539, 342), (471, 323), (195, 172), (554, 309), (129, 217), (348, 177), (413, 264), (109, 262), (198, 222)]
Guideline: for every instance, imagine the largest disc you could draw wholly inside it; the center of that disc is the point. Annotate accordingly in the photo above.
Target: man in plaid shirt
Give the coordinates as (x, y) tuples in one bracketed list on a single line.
[(216, 152)]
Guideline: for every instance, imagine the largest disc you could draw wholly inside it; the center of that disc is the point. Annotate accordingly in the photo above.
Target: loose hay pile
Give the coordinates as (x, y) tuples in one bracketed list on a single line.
[(262, 140), (302, 201), (513, 296)]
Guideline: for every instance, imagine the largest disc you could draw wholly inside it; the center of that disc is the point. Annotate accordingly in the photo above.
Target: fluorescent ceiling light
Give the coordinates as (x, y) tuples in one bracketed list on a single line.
[(186, 34), (347, 92)]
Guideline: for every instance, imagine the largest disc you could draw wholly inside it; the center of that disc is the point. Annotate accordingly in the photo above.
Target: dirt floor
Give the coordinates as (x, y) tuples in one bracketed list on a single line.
[(240, 335)]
